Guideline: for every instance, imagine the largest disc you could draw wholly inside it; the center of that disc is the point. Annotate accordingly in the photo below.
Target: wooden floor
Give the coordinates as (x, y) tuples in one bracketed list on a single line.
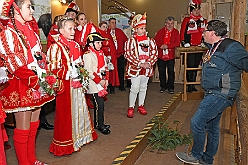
[(183, 113), (107, 148)]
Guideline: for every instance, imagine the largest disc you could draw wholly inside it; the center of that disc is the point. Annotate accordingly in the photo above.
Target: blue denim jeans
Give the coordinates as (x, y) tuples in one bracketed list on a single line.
[(205, 122)]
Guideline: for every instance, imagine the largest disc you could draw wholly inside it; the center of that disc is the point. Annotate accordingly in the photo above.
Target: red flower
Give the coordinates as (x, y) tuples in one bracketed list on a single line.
[(36, 95), (50, 80), (76, 84)]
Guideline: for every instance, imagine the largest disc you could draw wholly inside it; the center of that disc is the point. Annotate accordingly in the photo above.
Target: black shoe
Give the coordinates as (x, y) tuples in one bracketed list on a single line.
[(107, 126), (162, 90), (112, 90), (194, 89), (171, 91), (189, 88), (128, 86), (46, 126), (122, 89), (103, 129)]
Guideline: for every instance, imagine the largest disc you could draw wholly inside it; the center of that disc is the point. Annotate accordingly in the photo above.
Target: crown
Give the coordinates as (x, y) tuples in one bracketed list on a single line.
[(139, 20)]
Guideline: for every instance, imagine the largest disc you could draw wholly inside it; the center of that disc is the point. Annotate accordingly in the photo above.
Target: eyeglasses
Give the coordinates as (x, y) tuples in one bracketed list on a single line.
[(206, 30)]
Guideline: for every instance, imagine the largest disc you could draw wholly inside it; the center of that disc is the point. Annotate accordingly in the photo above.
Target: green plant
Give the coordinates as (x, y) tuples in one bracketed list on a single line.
[(164, 137)]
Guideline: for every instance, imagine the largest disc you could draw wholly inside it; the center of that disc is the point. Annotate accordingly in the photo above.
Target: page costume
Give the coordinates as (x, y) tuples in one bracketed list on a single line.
[(95, 62), (72, 126)]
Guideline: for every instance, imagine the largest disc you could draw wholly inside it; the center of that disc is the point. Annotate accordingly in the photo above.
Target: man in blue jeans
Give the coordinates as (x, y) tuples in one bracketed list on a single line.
[(221, 78)]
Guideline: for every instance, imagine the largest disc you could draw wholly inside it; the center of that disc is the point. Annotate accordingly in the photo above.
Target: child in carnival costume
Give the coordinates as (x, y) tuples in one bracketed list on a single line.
[(96, 63), (141, 54), (82, 30), (72, 127), (20, 50)]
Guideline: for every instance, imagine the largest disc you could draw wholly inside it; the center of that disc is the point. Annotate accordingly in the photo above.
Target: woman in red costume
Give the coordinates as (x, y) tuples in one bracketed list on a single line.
[(21, 50), (108, 48), (191, 35), (72, 126), (83, 29)]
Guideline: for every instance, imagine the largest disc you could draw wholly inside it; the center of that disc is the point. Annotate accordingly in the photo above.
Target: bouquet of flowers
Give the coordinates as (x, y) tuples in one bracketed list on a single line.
[(83, 76), (49, 83)]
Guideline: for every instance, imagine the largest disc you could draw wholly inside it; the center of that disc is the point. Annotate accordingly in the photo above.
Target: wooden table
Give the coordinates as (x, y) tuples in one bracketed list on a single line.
[(187, 51)]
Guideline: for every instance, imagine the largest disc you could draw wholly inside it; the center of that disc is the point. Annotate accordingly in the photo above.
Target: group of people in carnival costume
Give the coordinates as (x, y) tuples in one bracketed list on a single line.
[(69, 50), (21, 52)]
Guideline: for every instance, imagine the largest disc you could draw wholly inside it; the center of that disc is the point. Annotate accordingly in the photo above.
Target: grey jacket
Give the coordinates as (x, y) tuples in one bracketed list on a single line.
[(222, 74)]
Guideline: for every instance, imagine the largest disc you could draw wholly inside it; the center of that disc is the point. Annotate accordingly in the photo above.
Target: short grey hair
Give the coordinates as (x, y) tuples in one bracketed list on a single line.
[(170, 18)]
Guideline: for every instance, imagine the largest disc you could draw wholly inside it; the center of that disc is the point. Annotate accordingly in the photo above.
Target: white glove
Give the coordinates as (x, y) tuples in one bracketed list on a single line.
[(74, 74), (109, 57), (3, 76), (74, 71), (202, 45), (186, 45), (110, 66)]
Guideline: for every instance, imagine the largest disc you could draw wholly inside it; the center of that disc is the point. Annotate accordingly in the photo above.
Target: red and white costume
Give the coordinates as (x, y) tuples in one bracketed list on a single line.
[(169, 37), (190, 28), (81, 33), (136, 55), (191, 31), (24, 70), (193, 26), (139, 50), (21, 64), (72, 126)]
